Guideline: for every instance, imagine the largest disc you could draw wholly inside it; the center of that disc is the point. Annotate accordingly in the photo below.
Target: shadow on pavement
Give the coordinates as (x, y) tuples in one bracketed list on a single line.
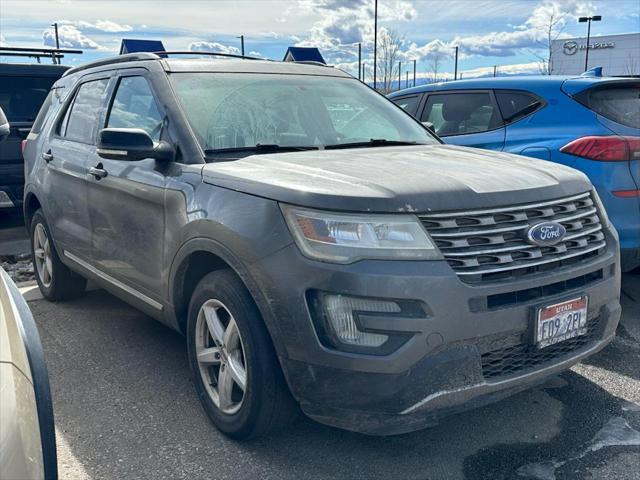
[(125, 407)]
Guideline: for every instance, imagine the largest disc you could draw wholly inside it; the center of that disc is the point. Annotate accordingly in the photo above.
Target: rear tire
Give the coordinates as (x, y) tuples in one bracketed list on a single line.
[(239, 353), (56, 280)]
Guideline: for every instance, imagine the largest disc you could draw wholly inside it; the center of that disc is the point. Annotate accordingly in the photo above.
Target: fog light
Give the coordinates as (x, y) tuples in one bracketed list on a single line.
[(340, 314)]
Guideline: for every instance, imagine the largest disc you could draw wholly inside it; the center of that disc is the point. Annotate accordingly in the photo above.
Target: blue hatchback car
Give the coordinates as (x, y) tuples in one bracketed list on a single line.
[(588, 122)]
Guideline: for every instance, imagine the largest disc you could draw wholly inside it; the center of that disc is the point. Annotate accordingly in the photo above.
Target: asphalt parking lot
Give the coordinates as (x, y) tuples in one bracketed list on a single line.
[(125, 408)]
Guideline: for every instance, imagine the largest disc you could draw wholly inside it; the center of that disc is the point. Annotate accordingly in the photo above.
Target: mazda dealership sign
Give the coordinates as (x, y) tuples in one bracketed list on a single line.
[(570, 47)]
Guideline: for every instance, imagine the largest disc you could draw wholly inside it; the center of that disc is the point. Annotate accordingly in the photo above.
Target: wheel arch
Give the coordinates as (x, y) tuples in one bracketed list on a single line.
[(199, 257), (30, 207)]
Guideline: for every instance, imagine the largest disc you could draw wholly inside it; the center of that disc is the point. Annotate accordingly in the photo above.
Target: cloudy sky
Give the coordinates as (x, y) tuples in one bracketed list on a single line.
[(507, 33)]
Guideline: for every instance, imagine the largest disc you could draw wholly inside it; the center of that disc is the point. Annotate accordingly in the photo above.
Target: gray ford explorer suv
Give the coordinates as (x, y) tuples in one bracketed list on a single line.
[(315, 244)]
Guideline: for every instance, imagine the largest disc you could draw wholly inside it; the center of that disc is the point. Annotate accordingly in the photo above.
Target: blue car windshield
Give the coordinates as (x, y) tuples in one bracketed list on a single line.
[(242, 110)]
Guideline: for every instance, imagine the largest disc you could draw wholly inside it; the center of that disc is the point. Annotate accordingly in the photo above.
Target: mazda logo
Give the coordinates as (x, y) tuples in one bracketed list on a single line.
[(570, 47), (546, 233)]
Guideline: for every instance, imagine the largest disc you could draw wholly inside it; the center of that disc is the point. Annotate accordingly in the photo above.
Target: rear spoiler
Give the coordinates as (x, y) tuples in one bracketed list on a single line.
[(594, 72), (591, 78)]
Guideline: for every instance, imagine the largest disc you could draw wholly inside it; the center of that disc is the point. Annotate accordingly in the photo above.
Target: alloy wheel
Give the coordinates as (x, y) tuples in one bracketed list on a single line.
[(220, 356), (42, 254)]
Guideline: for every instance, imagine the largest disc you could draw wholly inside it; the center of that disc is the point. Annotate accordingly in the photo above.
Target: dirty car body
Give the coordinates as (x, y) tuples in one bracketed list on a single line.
[(370, 338)]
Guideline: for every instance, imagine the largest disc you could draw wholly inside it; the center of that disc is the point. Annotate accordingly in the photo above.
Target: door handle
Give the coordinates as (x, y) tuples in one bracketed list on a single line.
[(98, 172), (47, 156)]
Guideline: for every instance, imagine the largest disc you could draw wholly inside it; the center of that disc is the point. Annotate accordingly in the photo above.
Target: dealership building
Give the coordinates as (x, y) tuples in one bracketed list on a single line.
[(618, 55)]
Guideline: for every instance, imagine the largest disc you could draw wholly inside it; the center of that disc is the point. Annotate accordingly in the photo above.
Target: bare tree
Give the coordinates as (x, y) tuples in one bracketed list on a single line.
[(631, 66), (389, 44), (552, 27), (434, 68)]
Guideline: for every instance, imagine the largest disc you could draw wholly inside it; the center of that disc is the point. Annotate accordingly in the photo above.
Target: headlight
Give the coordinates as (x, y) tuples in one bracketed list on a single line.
[(601, 210), (346, 238)]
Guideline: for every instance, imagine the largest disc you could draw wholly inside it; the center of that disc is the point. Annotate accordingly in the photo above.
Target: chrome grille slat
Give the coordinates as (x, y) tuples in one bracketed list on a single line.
[(479, 244), (511, 209), (564, 257), (479, 232)]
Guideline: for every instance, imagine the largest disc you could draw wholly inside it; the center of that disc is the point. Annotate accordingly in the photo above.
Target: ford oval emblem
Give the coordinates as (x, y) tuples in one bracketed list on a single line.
[(546, 233)]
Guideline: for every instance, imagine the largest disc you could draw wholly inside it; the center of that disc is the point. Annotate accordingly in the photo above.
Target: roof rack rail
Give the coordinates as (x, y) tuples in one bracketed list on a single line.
[(55, 54), (311, 62), (212, 54), (133, 57), (129, 57)]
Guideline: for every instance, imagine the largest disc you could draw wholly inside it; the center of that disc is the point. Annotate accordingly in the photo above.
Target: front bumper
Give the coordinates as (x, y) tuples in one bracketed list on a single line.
[(439, 370)]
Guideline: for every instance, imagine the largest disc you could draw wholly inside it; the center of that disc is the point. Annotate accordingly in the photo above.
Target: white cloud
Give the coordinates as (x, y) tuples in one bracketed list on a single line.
[(346, 22), (515, 69), (70, 37), (103, 26), (213, 47), (530, 35), (3, 40)]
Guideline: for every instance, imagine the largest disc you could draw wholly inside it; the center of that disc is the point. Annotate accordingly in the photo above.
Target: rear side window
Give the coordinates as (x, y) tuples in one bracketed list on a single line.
[(516, 105), (134, 107), (42, 115), (461, 113), (81, 120), (618, 103), (22, 96), (410, 104)]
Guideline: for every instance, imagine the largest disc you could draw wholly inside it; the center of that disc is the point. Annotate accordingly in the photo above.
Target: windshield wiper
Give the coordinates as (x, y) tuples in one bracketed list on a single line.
[(260, 148), (374, 142)]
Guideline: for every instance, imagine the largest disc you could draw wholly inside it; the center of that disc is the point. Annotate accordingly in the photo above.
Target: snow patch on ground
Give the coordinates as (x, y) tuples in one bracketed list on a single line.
[(616, 432)]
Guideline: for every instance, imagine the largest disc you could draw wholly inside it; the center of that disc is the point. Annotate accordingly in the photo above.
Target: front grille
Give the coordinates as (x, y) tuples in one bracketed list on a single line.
[(487, 245), (527, 295), (524, 356)]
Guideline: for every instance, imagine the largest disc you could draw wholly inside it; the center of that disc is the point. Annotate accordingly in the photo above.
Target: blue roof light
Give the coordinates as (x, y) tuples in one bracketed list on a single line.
[(129, 45), (303, 54)]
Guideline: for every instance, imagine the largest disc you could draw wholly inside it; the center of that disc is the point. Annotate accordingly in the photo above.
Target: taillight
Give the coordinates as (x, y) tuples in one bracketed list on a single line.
[(605, 149), (23, 144)]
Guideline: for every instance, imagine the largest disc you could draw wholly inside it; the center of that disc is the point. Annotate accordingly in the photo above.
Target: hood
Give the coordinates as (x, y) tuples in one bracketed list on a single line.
[(390, 179)]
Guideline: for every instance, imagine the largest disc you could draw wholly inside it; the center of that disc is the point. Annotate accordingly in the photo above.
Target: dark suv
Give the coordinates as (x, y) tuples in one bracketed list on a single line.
[(23, 89), (314, 242)]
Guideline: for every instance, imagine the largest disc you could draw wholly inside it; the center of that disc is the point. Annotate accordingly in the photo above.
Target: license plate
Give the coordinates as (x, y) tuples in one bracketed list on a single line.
[(561, 321)]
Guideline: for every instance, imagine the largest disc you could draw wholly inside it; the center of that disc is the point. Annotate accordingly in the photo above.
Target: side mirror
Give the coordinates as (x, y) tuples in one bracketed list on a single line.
[(429, 126), (4, 126), (131, 144)]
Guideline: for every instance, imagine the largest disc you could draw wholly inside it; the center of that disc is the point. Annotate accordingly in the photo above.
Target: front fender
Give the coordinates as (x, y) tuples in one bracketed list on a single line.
[(246, 266)]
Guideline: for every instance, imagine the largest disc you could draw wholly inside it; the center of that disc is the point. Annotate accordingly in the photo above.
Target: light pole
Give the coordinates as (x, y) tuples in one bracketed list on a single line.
[(359, 60), (399, 75), (455, 71), (588, 20), (495, 68), (55, 29), (375, 41), (414, 72), (241, 37)]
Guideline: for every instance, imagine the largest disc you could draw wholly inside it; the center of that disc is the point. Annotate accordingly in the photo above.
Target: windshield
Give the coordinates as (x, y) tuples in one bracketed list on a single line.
[(236, 110)]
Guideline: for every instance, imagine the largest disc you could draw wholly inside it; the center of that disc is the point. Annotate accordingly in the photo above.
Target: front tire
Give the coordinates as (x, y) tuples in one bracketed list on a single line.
[(55, 279), (236, 371)]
